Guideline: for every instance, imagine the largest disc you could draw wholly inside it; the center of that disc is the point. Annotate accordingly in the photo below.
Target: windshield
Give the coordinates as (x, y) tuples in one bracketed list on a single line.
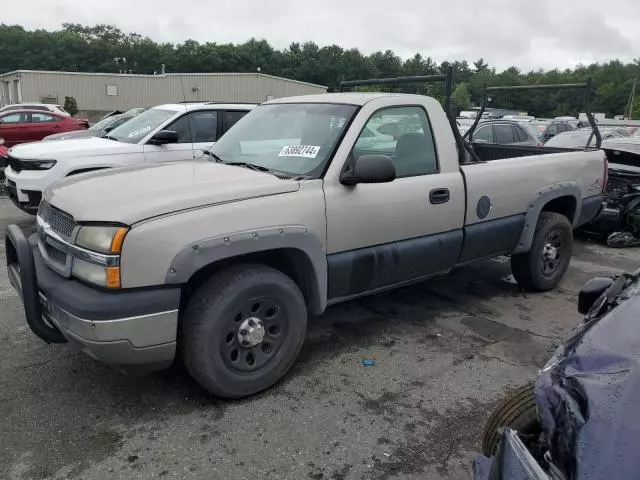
[(140, 126), (295, 138), (102, 124)]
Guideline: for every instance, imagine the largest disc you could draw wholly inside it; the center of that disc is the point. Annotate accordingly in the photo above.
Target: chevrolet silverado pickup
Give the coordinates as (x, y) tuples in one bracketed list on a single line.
[(218, 262)]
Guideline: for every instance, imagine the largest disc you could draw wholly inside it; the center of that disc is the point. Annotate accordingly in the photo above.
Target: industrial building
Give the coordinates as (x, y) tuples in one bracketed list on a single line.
[(103, 92)]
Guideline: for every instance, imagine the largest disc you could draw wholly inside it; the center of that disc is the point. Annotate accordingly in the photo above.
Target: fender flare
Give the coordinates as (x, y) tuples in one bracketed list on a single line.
[(535, 207), (192, 258)]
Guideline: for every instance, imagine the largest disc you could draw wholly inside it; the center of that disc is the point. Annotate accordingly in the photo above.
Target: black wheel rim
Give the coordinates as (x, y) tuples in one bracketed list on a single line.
[(262, 318), (553, 253)]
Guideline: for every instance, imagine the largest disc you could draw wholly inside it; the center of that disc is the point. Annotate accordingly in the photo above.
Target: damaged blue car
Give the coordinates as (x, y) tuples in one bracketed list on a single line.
[(581, 418)]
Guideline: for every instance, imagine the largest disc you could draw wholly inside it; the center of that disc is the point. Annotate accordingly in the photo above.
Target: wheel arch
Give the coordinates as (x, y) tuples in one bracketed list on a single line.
[(291, 250), (564, 199)]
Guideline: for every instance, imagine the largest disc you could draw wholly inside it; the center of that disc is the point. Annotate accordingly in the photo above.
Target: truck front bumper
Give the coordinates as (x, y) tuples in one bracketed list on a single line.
[(136, 329)]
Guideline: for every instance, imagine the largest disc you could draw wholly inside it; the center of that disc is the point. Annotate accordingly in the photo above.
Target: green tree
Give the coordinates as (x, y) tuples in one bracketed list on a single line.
[(70, 105), (105, 48), (461, 98)]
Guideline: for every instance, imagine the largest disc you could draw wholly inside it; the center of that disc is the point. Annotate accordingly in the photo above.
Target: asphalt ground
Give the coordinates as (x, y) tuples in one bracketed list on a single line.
[(444, 353)]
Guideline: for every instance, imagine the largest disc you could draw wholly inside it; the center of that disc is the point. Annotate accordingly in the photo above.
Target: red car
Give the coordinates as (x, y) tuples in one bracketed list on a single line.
[(20, 126)]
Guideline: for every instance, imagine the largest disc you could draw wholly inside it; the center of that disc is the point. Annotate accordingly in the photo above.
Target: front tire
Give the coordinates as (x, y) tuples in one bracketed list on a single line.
[(517, 412), (242, 330), (544, 265)]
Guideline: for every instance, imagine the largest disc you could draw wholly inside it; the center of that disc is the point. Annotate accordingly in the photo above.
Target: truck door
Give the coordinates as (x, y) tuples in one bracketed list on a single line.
[(389, 233)]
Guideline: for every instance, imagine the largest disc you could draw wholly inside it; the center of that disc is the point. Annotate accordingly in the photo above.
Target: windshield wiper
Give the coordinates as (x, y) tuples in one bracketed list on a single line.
[(216, 158), (109, 137), (251, 166)]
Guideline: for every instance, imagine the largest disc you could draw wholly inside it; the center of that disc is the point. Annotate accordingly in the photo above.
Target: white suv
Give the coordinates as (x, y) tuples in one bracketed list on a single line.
[(165, 133)]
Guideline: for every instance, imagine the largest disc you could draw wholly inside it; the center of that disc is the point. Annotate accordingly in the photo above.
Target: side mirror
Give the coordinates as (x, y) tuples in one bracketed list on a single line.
[(369, 169), (163, 137), (107, 129), (591, 291)]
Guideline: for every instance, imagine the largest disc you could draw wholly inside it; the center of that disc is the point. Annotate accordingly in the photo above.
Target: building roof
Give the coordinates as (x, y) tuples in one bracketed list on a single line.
[(257, 74)]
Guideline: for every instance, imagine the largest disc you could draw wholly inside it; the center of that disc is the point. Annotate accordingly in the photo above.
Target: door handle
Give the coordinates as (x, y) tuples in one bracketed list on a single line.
[(439, 195)]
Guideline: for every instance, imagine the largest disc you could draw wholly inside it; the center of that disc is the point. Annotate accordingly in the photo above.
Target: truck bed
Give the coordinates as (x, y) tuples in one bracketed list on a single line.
[(488, 152)]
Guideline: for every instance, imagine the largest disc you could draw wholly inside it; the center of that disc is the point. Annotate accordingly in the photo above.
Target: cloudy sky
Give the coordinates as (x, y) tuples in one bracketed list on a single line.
[(526, 33)]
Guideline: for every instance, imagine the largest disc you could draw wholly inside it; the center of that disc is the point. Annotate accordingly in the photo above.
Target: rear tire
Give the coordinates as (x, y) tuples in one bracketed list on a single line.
[(242, 330), (517, 412), (543, 267)]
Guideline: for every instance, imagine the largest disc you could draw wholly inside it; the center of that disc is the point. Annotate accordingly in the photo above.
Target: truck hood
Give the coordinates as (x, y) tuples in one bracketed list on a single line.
[(79, 147), (130, 195)]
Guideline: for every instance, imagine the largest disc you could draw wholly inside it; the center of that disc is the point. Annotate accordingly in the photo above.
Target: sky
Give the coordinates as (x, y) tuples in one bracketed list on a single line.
[(528, 34)]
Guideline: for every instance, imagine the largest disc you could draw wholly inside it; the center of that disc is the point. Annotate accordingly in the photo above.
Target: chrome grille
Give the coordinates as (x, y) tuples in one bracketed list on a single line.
[(60, 222)]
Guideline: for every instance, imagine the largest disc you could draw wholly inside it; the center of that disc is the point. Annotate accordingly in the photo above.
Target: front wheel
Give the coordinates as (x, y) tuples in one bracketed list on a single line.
[(544, 265), (243, 329), (517, 412)]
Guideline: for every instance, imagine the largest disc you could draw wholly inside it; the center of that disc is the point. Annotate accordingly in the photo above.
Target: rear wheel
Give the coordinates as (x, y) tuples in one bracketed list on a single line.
[(243, 329), (517, 412), (544, 265)]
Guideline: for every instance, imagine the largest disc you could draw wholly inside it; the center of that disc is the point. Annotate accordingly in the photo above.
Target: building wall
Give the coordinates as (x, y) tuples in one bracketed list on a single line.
[(127, 91), (10, 89)]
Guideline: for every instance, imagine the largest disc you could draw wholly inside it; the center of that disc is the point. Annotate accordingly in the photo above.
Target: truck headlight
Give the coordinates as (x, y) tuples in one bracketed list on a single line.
[(40, 165), (108, 277), (28, 164), (103, 239), (102, 268)]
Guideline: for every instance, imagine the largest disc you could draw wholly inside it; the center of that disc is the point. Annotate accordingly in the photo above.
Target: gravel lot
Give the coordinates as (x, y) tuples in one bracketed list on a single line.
[(445, 352)]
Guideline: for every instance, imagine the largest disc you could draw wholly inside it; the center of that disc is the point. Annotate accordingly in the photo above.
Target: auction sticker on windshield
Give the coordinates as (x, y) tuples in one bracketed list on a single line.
[(140, 131), (307, 151)]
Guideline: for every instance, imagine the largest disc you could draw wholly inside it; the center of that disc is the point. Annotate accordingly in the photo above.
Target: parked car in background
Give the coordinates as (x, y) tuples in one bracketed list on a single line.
[(98, 129), (36, 106), (464, 124), (135, 111), (21, 126), (131, 111), (165, 133), (581, 418), (4, 158), (554, 128), (504, 132), (538, 126), (618, 131), (519, 118), (579, 139), (472, 114), (573, 121), (372, 139)]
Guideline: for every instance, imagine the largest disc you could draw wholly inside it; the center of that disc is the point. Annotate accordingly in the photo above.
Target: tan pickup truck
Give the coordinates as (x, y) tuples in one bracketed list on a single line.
[(305, 202)]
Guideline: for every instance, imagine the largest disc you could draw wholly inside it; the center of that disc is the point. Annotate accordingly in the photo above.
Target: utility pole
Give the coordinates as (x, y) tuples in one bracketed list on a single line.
[(633, 94), (632, 98)]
